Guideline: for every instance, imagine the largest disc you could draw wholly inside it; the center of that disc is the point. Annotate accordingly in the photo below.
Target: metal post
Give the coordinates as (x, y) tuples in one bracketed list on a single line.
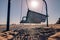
[(8, 16), (46, 11)]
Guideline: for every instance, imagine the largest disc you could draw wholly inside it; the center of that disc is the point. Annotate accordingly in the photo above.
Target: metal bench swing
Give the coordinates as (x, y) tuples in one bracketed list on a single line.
[(33, 17)]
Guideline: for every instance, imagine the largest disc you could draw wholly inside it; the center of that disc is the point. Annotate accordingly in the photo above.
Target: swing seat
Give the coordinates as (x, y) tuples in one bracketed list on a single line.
[(34, 17)]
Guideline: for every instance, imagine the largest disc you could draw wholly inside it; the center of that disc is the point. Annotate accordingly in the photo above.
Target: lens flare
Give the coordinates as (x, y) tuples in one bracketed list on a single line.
[(34, 4)]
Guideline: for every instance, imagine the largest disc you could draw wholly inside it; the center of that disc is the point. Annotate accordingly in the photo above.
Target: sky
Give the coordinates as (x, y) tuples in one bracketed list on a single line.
[(16, 13)]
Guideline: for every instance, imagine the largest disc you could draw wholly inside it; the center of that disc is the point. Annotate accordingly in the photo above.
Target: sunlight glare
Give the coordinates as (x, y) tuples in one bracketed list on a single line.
[(34, 4)]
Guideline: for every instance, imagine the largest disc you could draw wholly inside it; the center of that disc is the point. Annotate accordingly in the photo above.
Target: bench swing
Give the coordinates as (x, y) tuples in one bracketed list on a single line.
[(33, 17)]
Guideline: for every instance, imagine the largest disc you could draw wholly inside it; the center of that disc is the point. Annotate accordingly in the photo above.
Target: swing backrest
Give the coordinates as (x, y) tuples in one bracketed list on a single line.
[(34, 17)]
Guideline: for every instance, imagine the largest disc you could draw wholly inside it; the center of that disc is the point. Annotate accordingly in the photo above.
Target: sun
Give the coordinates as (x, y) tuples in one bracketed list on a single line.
[(34, 4)]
